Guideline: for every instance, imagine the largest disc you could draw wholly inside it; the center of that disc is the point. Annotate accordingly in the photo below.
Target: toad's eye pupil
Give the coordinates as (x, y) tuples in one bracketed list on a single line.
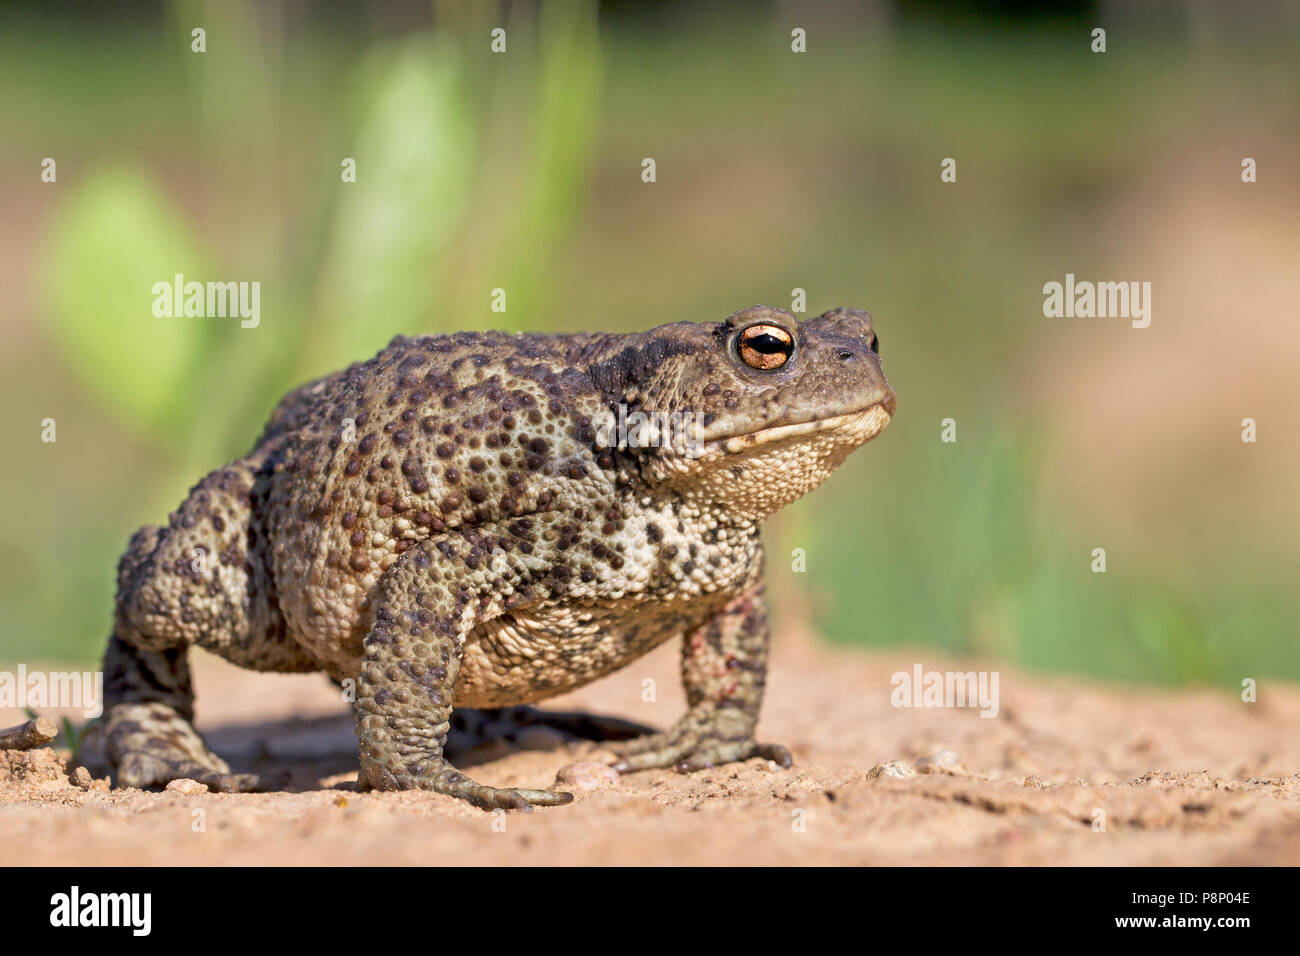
[(767, 344), (765, 347)]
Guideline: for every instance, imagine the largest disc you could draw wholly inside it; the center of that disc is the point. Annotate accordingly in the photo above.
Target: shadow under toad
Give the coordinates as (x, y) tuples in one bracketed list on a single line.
[(302, 754)]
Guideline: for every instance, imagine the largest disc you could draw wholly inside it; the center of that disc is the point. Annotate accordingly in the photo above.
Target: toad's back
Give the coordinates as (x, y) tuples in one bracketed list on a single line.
[(435, 435)]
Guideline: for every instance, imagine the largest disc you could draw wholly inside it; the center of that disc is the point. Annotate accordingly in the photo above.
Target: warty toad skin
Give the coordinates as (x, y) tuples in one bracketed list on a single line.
[(454, 524)]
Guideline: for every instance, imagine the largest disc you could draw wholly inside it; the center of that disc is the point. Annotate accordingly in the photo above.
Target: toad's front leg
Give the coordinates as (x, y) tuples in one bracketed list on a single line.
[(724, 669), (424, 607)]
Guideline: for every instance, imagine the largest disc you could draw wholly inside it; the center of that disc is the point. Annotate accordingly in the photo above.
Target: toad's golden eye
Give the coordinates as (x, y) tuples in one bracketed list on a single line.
[(765, 347)]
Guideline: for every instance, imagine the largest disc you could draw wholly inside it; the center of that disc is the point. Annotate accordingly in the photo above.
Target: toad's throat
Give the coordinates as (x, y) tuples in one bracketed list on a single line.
[(859, 426)]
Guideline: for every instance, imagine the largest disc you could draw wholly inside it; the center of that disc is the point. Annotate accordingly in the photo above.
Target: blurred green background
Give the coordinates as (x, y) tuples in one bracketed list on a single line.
[(775, 171)]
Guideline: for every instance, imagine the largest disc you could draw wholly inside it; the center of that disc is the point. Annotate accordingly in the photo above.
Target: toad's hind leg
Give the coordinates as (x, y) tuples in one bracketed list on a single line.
[(424, 607), (197, 581), (149, 736)]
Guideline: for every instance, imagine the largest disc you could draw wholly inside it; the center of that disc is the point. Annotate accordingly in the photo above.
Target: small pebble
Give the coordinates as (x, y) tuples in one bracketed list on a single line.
[(539, 738), (186, 785), (81, 777), (891, 768), (586, 777), (1034, 783), (945, 761)]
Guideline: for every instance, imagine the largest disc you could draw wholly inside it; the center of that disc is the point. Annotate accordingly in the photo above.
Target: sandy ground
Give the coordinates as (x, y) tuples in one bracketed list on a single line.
[(1178, 778)]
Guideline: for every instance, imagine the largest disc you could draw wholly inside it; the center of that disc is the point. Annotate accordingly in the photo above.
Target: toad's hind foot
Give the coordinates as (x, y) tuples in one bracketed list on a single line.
[(151, 744)]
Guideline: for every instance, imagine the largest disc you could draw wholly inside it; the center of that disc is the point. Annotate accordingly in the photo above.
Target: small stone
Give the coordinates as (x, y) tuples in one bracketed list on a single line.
[(1034, 783), (539, 738), (186, 785), (81, 778), (891, 768), (586, 777), (102, 785), (945, 761), (341, 802)]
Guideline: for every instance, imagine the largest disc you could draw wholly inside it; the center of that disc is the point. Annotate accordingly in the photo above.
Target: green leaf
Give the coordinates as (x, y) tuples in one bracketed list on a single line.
[(414, 158), (565, 117), (111, 241)]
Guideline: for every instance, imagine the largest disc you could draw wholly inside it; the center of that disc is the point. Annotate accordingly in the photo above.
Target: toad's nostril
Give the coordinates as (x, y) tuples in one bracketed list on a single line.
[(843, 355)]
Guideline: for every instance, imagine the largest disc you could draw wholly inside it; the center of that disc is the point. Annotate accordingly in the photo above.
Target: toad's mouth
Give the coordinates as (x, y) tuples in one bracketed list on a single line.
[(857, 427)]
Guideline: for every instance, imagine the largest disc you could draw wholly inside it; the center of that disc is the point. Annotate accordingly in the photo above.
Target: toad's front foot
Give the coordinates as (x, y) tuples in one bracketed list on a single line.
[(151, 744), (703, 738), (443, 778)]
